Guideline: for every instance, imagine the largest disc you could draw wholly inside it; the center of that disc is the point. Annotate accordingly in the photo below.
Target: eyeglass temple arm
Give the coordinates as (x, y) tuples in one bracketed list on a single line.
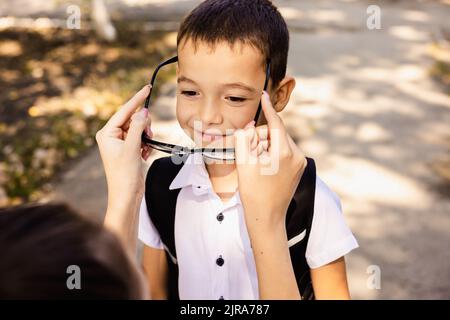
[(266, 82), (152, 81)]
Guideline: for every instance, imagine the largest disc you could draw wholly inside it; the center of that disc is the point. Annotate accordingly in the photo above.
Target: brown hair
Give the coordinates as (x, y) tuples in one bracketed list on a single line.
[(254, 22), (39, 242)]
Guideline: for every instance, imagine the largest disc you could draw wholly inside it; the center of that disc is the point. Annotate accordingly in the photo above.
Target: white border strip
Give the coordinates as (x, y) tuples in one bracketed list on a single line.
[(297, 238), (174, 260)]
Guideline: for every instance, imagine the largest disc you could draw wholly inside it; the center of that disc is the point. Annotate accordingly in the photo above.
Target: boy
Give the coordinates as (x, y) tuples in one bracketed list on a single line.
[(223, 46)]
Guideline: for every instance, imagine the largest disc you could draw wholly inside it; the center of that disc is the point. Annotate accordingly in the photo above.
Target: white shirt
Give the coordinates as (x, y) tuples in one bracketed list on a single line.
[(200, 238)]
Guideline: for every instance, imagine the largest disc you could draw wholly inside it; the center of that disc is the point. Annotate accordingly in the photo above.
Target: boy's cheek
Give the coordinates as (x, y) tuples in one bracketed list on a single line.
[(182, 118), (187, 131)]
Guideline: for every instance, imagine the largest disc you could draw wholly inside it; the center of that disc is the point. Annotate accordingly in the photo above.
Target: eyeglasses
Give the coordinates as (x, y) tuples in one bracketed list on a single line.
[(180, 151)]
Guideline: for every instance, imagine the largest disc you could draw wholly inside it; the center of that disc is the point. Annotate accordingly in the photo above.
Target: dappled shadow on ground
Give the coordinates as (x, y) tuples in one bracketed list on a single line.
[(366, 108), (58, 87)]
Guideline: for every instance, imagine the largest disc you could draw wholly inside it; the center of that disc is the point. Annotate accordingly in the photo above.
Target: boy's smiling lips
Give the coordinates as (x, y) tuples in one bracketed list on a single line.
[(210, 135)]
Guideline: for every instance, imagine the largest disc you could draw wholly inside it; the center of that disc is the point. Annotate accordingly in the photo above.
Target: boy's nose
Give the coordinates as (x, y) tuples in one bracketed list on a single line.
[(210, 113)]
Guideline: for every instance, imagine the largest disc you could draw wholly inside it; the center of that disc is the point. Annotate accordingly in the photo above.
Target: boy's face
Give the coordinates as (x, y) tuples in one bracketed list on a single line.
[(218, 90)]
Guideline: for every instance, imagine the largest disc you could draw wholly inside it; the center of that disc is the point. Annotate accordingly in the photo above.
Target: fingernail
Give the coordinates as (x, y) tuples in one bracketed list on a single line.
[(145, 112)]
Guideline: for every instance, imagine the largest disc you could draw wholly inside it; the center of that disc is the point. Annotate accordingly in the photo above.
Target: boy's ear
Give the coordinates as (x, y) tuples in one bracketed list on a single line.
[(280, 96)]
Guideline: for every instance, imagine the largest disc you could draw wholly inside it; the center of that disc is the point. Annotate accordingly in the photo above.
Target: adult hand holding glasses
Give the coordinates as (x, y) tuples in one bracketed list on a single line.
[(267, 159), (123, 156), (269, 167)]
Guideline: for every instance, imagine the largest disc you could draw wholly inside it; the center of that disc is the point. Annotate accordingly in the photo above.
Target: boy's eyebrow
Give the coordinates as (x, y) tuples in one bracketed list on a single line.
[(238, 85), (185, 79)]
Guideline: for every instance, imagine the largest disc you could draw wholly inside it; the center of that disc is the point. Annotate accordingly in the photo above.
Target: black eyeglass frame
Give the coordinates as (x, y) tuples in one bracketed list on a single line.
[(180, 150)]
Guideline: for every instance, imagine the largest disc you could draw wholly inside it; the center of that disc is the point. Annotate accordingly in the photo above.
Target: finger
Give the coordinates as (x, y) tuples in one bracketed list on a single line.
[(272, 117), (145, 151), (259, 149), (125, 128), (146, 154), (277, 132), (263, 132), (278, 143), (126, 125), (251, 133), (126, 111), (144, 147), (137, 126), (116, 133), (148, 130), (264, 144), (242, 146)]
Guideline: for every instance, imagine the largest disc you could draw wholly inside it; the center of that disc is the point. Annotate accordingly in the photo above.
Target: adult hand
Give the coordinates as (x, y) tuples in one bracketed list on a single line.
[(269, 166), (123, 156)]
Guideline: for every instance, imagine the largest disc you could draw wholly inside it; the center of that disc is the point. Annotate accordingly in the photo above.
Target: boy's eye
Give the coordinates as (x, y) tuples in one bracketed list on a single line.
[(188, 93), (236, 99)]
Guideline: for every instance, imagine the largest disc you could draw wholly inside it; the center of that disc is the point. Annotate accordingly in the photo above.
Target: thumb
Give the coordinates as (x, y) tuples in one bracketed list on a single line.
[(137, 126)]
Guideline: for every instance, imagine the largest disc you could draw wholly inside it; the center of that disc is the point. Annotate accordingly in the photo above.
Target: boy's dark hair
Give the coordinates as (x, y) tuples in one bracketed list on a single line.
[(39, 242), (254, 22)]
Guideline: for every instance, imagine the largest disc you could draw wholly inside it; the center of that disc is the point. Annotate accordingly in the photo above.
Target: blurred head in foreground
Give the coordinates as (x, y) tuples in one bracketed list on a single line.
[(50, 252)]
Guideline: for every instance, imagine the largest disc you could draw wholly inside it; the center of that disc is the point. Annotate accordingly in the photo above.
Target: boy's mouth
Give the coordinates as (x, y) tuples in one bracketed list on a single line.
[(208, 136)]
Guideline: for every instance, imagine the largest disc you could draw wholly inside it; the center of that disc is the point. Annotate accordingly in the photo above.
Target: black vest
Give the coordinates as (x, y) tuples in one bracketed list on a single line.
[(161, 204)]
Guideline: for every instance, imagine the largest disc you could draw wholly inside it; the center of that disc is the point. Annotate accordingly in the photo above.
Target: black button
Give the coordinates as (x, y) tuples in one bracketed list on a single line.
[(220, 217), (220, 261), (221, 298)]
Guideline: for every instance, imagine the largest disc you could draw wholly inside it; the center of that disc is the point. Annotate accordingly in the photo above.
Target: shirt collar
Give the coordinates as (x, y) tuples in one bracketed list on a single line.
[(193, 173)]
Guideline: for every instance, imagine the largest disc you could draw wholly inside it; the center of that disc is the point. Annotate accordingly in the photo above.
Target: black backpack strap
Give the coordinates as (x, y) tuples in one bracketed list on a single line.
[(161, 204), (298, 226)]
